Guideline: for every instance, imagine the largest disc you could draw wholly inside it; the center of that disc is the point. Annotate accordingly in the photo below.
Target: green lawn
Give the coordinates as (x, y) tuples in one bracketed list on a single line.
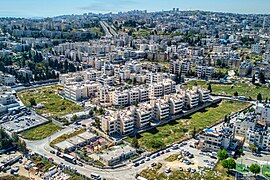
[(243, 89), (242, 168), (54, 104), (41, 132), (266, 171), (175, 131)]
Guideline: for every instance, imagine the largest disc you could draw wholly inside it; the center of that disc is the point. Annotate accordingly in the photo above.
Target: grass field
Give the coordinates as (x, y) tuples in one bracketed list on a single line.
[(54, 104), (41, 132), (266, 171), (243, 89), (175, 131), (242, 168)]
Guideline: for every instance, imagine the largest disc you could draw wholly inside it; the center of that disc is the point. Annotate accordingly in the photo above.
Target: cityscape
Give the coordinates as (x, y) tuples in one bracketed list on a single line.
[(135, 94)]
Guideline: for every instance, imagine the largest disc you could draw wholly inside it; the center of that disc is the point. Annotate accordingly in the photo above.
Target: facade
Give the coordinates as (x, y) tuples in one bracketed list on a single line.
[(161, 110), (143, 115)]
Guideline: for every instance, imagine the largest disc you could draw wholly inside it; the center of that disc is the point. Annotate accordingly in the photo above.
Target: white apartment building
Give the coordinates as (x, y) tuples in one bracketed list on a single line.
[(263, 112), (121, 122), (179, 67), (161, 109), (142, 115), (143, 94), (176, 102), (125, 122), (120, 98), (244, 123), (204, 71), (211, 139), (7, 79), (259, 136), (203, 95), (6, 96), (133, 96), (192, 99), (156, 90), (75, 92)]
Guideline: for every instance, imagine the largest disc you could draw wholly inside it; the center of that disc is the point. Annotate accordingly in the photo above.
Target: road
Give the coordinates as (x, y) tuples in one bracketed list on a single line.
[(127, 172), (42, 147)]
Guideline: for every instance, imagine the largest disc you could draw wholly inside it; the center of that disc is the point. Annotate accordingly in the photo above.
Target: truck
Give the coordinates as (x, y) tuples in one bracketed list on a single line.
[(69, 158)]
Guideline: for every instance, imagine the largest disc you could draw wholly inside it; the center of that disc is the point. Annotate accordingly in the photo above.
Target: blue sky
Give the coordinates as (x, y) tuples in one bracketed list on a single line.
[(49, 8)]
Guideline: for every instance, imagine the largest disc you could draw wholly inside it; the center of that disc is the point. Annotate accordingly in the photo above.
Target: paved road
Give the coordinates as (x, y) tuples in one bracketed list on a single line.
[(128, 172)]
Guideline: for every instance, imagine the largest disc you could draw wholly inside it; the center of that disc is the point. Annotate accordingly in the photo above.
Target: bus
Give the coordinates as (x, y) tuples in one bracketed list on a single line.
[(69, 158), (95, 176)]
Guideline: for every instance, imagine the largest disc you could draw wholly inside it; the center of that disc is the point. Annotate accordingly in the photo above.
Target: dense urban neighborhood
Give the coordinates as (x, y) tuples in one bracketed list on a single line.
[(135, 95)]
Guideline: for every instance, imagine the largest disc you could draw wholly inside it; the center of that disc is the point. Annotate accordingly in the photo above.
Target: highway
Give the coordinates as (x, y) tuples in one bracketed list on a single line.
[(109, 32)]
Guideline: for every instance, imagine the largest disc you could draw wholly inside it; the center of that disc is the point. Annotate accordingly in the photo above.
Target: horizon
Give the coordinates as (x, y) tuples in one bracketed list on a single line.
[(50, 8)]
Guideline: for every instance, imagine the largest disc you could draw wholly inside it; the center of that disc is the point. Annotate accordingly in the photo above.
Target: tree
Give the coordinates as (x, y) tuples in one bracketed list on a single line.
[(255, 169), (235, 94), (193, 133), (259, 97), (91, 113), (253, 147), (222, 154), (32, 102), (97, 123), (229, 163), (74, 118), (253, 79), (135, 142), (209, 87), (15, 137)]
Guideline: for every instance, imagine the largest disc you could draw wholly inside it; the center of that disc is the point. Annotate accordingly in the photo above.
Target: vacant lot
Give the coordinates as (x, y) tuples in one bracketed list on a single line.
[(243, 89), (54, 104), (175, 131), (41, 132)]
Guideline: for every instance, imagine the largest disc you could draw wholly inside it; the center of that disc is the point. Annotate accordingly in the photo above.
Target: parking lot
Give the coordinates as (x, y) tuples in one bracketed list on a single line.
[(23, 123), (191, 159)]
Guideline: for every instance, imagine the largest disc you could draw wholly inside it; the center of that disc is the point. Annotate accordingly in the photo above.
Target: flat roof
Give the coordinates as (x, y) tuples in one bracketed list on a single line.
[(64, 145), (117, 152), (87, 135)]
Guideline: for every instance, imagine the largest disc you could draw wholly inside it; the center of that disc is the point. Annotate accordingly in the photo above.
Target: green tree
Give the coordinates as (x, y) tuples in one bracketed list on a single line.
[(193, 133), (135, 142), (97, 123), (235, 94), (32, 102), (209, 87), (255, 169), (253, 147), (253, 79), (91, 113), (222, 154), (15, 137), (74, 118), (228, 163), (259, 97)]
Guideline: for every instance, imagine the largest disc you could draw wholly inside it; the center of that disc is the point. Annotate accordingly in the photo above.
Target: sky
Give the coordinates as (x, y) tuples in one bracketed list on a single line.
[(50, 8)]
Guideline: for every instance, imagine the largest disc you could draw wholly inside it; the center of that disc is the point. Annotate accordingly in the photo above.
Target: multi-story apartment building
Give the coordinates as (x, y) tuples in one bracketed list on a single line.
[(161, 109), (203, 95), (133, 96), (192, 99), (156, 90), (143, 94), (176, 102), (120, 98), (75, 92), (204, 71), (245, 122), (7, 97), (121, 122), (211, 139), (7, 79), (263, 112), (259, 136), (179, 67), (142, 115)]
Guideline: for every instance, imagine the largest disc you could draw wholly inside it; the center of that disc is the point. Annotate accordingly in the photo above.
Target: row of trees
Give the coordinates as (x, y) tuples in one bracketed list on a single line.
[(7, 141), (229, 163)]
